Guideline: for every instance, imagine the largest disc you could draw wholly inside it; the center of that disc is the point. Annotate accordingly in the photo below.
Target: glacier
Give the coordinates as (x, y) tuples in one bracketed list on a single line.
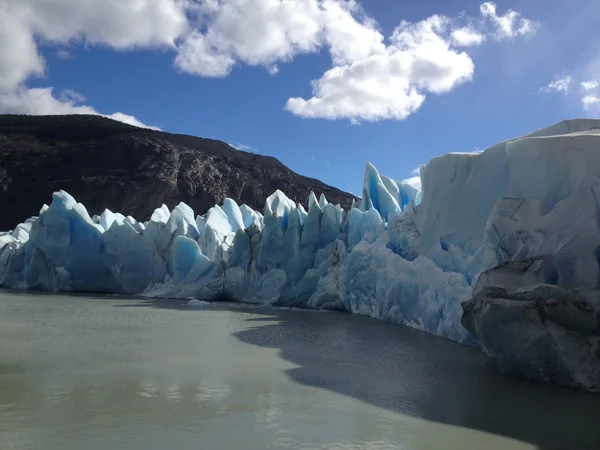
[(499, 250)]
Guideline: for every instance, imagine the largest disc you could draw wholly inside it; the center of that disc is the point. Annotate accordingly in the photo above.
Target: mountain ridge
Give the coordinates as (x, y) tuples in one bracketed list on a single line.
[(110, 164)]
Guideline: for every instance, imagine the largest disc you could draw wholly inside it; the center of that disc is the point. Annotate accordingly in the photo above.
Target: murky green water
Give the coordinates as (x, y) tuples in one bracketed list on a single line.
[(110, 373)]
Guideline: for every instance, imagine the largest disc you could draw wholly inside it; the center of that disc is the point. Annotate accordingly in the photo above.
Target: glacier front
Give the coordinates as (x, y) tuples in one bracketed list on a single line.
[(461, 251)]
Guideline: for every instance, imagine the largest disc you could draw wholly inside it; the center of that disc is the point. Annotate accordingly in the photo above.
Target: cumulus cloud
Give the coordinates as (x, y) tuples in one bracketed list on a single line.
[(19, 57), (591, 103), (63, 54), (466, 37), (372, 77), (198, 56), (508, 25), (561, 84), (588, 93), (131, 120), (268, 32), (590, 100), (243, 147), (589, 85), (253, 32), (118, 24), (392, 81), (415, 180), (42, 101), (349, 33), (70, 96), (372, 89), (391, 84)]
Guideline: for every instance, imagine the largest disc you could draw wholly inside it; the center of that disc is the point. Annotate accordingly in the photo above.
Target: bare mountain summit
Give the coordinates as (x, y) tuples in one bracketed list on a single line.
[(108, 164)]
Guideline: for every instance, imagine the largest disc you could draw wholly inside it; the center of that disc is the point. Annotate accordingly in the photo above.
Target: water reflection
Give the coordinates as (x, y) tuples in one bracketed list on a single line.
[(98, 374), (74, 413), (409, 372)]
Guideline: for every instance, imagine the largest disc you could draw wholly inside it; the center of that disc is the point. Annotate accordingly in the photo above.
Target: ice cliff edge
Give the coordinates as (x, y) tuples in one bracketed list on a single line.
[(510, 234)]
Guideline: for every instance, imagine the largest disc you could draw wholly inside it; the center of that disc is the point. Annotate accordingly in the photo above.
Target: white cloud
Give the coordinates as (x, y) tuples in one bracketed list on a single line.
[(371, 89), (70, 96), (591, 104), (266, 32), (118, 24), (254, 32), (243, 147), (414, 181), (63, 54), (466, 37), (197, 56), (392, 84), (589, 85), (590, 100), (509, 25), (588, 94), (126, 118), (349, 33), (19, 57), (561, 84), (370, 78), (41, 101)]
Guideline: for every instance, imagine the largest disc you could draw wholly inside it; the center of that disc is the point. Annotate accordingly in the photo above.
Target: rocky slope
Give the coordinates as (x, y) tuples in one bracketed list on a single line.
[(108, 164)]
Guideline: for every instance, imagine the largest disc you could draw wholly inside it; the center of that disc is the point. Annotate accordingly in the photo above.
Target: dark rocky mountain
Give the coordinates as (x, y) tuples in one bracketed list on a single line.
[(108, 164)]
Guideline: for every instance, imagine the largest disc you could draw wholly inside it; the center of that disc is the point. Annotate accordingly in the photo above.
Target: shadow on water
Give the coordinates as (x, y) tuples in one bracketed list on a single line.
[(413, 373), (86, 295)]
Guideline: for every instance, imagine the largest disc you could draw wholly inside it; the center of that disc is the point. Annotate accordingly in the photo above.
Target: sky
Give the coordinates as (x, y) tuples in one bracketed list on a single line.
[(322, 85)]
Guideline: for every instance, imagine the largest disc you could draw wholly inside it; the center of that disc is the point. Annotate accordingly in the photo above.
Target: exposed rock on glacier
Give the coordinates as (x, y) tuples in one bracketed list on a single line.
[(527, 207), (537, 331)]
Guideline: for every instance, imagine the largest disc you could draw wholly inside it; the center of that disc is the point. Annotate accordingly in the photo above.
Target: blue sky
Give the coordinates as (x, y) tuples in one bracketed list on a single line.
[(459, 76)]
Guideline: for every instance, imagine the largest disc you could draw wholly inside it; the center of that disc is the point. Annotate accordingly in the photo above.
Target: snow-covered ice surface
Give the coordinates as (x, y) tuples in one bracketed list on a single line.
[(401, 255)]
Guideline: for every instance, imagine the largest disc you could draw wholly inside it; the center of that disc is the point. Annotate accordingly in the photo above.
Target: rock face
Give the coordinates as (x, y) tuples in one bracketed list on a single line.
[(537, 331), (108, 164)]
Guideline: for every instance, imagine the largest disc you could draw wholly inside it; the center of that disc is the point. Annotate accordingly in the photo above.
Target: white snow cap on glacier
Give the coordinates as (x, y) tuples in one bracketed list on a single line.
[(400, 255)]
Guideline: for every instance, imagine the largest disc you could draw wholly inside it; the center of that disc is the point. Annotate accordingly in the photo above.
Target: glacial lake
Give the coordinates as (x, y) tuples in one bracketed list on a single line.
[(106, 373)]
